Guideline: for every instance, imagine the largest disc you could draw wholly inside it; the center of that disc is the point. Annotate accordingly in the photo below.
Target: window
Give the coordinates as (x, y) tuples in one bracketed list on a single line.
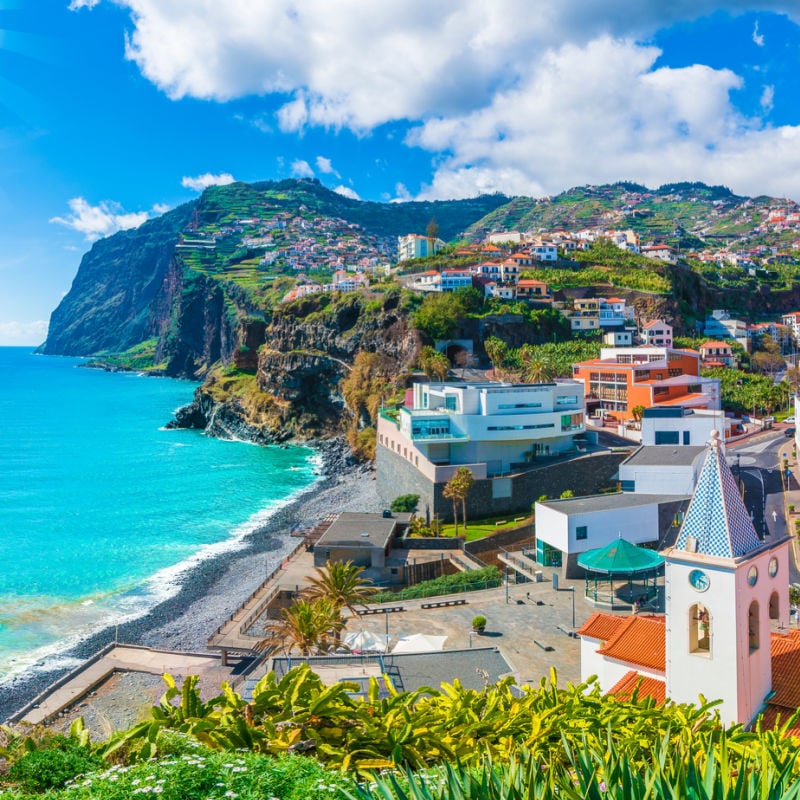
[(699, 629), (566, 400), (667, 437), (581, 532), (752, 626), (774, 606), (627, 486), (687, 437), (450, 402)]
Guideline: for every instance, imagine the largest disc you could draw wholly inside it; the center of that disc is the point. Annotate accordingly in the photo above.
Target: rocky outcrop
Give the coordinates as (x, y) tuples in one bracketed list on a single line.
[(116, 299)]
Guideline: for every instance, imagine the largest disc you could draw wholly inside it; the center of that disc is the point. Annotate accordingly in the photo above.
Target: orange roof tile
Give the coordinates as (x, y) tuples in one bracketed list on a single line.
[(715, 344), (776, 716), (601, 626), (632, 682), (785, 651), (640, 641)]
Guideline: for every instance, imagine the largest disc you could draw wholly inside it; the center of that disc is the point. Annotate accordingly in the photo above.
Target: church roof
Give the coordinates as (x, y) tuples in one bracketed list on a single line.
[(641, 642), (601, 626), (717, 518), (632, 682)]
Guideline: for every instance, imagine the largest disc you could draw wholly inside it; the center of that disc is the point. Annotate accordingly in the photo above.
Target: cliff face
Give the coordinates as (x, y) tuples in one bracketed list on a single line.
[(300, 363), (116, 300)]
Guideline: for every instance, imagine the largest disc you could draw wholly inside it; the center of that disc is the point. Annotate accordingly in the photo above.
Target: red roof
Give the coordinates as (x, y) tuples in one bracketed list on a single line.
[(632, 682), (640, 641), (715, 344), (655, 322), (601, 626)]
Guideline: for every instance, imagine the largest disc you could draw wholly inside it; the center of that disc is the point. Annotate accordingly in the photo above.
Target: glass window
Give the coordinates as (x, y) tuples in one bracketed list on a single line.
[(566, 400), (699, 629), (581, 532), (667, 437)]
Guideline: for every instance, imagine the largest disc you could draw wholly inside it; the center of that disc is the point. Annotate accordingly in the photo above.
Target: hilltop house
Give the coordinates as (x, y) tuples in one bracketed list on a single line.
[(657, 333)]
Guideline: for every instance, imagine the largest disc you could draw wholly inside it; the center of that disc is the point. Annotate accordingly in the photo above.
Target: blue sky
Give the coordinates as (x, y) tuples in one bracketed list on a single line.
[(115, 110)]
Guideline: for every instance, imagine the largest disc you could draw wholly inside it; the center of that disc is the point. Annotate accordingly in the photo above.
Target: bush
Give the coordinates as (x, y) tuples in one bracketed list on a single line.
[(50, 768), (479, 622), (405, 503), (485, 578)]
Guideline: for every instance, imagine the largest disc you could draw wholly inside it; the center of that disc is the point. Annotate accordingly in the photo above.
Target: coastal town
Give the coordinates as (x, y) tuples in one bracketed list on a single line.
[(625, 521)]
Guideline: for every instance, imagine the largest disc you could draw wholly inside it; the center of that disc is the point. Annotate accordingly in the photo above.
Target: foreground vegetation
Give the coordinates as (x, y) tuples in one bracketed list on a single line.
[(448, 743)]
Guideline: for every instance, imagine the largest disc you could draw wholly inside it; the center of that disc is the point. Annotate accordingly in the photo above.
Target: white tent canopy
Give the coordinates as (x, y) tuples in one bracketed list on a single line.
[(365, 641), (419, 643)]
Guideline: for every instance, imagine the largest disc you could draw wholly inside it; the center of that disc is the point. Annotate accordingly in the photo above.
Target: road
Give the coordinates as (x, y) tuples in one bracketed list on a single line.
[(757, 464)]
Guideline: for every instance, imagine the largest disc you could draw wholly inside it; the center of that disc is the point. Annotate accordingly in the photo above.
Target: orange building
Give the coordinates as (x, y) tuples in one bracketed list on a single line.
[(626, 377)]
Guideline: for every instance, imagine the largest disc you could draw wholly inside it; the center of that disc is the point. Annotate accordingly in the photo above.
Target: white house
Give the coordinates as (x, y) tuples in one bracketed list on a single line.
[(678, 425), (656, 333), (660, 252), (415, 246), (660, 469)]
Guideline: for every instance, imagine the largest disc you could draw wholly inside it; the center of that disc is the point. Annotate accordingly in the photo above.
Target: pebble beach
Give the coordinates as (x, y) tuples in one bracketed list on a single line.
[(215, 588)]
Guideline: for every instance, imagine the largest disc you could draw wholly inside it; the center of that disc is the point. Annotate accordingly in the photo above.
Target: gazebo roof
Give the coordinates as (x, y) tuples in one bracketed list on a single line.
[(620, 558)]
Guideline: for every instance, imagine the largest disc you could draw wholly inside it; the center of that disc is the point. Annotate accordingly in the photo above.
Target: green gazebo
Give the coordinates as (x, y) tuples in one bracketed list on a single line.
[(624, 562)]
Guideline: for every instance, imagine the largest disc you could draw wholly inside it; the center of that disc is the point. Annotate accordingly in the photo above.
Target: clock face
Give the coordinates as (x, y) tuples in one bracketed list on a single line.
[(773, 567), (752, 575), (699, 580)]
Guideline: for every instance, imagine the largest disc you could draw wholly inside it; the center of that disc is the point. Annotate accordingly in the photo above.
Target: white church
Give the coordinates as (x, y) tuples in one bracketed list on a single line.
[(725, 632)]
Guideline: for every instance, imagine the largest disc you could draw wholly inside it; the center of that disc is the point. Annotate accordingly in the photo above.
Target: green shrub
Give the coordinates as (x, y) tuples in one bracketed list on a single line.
[(479, 621), (485, 578), (405, 503), (51, 767)]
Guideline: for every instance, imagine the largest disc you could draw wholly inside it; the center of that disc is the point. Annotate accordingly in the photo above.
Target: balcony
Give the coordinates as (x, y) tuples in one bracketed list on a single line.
[(428, 436)]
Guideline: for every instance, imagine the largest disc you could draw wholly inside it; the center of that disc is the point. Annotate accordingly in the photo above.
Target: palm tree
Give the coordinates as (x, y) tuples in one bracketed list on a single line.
[(457, 489), (341, 584), (304, 625)]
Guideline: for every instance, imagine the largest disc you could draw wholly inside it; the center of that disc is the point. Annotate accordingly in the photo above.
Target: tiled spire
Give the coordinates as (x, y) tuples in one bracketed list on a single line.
[(717, 518)]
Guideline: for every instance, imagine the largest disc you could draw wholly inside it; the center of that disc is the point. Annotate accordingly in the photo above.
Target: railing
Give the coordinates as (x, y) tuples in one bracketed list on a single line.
[(424, 437), (269, 577), (282, 664)]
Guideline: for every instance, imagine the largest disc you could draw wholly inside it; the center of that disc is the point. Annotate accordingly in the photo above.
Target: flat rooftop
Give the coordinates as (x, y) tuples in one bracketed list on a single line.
[(611, 502), (355, 529), (664, 455)]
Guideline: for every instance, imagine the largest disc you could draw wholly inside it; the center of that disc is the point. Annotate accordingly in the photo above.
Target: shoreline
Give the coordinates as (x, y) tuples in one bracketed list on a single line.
[(215, 587)]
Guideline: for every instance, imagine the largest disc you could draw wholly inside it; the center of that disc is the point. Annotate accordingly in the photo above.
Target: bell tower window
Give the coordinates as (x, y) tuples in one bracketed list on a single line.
[(774, 606), (752, 626), (699, 629)]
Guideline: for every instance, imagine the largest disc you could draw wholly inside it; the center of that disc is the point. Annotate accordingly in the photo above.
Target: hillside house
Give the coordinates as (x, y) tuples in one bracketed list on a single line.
[(717, 354), (656, 333), (531, 290), (626, 377)]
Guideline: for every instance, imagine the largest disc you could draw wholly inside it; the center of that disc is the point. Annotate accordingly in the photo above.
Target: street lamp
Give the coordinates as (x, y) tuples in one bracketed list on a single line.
[(572, 592)]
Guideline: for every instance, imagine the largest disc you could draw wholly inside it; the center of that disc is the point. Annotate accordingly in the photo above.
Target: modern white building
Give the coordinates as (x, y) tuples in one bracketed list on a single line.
[(415, 246), (679, 425), (726, 628), (493, 425), (567, 528), (661, 469)]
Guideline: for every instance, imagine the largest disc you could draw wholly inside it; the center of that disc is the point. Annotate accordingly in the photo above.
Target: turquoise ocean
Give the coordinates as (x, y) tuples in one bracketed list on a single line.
[(102, 510)]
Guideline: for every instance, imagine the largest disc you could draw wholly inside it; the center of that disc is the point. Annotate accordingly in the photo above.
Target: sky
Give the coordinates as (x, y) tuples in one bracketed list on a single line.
[(113, 111)]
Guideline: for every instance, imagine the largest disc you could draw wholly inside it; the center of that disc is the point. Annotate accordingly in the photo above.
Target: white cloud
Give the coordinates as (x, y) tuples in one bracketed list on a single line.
[(768, 99), (95, 222), (302, 169), (201, 182), (346, 191), (23, 333), (758, 38), (76, 5), (325, 166), (600, 112), (506, 98)]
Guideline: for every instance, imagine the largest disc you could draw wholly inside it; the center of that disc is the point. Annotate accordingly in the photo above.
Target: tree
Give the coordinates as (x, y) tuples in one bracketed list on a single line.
[(341, 584), (433, 363), (535, 369), (457, 489), (496, 350), (405, 503), (432, 232), (304, 625)]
